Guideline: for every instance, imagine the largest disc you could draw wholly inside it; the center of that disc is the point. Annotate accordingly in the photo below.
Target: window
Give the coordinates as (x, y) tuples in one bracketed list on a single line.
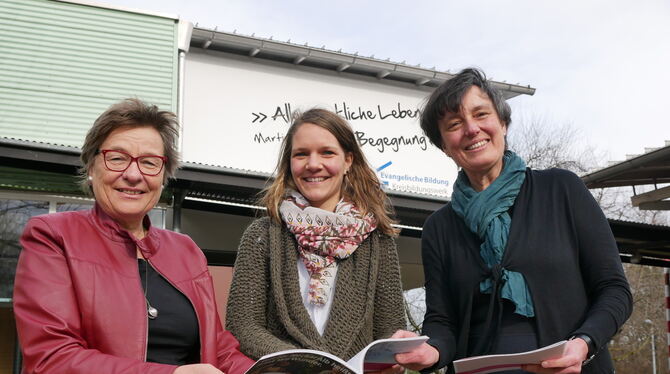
[(13, 217)]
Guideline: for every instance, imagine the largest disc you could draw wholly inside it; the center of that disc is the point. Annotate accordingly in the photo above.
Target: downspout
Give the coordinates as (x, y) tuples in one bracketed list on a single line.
[(184, 32), (180, 100)]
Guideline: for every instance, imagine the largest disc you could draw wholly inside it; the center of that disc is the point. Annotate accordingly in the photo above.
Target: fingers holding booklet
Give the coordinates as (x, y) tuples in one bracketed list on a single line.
[(419, 358), (376, 356), (527, 360), (570, 361)]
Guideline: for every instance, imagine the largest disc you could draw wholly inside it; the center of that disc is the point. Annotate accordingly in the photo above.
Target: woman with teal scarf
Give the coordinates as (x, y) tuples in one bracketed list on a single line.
[(520, 258)]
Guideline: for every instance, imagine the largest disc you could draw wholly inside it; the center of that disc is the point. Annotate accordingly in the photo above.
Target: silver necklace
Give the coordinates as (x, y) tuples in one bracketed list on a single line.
[(151, 311)]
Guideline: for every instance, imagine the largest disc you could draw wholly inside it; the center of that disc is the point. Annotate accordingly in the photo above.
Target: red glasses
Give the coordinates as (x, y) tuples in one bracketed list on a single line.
[(150, 165)]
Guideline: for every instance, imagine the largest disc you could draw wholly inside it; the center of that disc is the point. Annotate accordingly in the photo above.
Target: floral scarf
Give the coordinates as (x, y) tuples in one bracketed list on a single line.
[(323, 238)]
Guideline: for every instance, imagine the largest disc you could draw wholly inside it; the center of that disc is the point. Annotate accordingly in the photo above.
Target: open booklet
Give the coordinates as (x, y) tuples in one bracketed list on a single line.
[(376, 356), (493, 363)]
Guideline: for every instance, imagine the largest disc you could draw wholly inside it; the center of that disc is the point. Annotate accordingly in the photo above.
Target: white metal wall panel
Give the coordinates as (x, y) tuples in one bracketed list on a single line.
[(62, 64)]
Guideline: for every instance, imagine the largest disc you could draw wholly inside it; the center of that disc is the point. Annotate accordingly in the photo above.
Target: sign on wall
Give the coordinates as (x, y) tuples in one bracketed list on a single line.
[(237, 112)]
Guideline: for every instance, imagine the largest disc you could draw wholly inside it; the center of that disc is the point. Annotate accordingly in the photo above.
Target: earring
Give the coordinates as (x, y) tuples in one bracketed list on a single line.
[(90, 178)]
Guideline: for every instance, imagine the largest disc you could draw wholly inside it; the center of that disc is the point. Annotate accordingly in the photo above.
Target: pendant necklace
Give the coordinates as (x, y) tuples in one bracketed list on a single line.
[(151, 311)]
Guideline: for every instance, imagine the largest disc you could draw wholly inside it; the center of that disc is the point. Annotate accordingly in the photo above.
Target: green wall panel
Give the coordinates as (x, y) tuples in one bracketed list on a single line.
[(42, 181), (62, 64)]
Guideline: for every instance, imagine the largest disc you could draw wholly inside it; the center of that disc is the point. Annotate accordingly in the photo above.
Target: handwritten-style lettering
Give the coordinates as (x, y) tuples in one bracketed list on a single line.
[(352, 115), (393, 142), (398, 113), (262, 139)]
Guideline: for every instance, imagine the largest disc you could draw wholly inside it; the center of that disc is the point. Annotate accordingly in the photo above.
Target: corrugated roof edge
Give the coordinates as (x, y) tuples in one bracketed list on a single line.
[(614, 169), (343, 60), (264, 175), (41, 145), (638, 224), (227, 169), (191, 165)]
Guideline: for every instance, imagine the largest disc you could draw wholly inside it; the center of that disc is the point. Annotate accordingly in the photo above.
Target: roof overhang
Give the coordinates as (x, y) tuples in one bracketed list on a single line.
[(641, 243), (235, 191), (338, 61), (651, 168)]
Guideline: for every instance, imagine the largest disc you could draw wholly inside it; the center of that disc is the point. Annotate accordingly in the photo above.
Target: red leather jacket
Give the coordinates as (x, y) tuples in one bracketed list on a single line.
[(79, 303)]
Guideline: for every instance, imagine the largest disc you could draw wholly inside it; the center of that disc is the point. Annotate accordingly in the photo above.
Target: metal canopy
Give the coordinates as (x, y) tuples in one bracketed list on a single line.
[(235, 191), (651, 168), (337, 61), (641, 243)]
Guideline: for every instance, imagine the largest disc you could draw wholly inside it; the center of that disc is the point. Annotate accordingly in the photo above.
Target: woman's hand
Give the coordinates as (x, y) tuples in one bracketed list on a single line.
[(197, 369), (420, 357), (571, 362)]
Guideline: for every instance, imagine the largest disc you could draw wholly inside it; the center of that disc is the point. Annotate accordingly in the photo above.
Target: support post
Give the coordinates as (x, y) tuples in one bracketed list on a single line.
[(178, 199)]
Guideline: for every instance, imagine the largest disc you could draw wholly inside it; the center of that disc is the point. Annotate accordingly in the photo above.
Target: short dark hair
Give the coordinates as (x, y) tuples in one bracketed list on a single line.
[(131, 113), (448, 98)]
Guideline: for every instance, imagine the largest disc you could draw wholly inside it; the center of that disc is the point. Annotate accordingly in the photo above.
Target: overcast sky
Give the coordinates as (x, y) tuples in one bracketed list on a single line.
[(601, 65)]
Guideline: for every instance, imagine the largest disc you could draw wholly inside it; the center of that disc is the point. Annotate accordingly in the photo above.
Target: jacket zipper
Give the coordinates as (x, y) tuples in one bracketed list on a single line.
[(146, 325)]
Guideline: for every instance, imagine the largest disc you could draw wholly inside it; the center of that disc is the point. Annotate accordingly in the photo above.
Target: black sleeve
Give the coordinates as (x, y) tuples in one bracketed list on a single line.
[(440, 322), (610, 300)]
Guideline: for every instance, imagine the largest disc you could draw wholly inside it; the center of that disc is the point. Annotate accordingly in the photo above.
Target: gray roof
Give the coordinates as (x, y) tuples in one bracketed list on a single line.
[(651, 168), (303, 54)]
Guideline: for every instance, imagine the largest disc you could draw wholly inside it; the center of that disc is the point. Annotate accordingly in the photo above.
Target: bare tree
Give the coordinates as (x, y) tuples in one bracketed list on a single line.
[(544, 145), (415, 307)]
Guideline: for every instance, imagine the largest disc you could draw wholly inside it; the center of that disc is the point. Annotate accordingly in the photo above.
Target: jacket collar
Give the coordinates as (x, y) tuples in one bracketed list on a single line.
[(112, 230)]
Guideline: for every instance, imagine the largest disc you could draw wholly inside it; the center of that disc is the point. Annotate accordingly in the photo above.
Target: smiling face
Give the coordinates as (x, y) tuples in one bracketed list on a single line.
[(318, 164), (127, 196), (475, 137)]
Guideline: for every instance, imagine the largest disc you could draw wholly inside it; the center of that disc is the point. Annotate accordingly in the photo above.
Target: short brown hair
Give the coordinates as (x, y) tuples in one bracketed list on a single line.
[(131, 113), (361, 185)]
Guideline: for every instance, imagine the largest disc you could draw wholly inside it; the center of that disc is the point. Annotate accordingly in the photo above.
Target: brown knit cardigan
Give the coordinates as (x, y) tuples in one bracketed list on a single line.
[(265, 309)]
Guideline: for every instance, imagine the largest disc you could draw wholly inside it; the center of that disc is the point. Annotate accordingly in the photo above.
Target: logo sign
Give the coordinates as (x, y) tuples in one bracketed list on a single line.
[(237, 112)]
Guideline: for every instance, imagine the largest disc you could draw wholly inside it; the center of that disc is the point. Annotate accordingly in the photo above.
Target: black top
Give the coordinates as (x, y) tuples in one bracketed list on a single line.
[(562, 244), (173, 335)]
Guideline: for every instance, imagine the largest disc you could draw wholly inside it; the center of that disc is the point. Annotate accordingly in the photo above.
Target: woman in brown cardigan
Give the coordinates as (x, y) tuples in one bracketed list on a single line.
[(321, 272)]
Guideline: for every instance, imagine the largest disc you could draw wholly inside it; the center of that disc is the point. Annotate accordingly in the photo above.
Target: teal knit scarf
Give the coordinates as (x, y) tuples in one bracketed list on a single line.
[(485, 214)]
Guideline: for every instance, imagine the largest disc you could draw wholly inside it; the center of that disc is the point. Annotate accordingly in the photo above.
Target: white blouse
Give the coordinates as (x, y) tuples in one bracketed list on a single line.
[(317, 313)]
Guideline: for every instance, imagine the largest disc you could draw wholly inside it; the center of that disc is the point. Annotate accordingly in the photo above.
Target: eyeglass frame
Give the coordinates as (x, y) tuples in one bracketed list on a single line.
[(136, 160)]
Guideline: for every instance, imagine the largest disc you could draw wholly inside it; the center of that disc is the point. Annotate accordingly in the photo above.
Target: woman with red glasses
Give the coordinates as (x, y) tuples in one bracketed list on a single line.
[(102, 291)]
